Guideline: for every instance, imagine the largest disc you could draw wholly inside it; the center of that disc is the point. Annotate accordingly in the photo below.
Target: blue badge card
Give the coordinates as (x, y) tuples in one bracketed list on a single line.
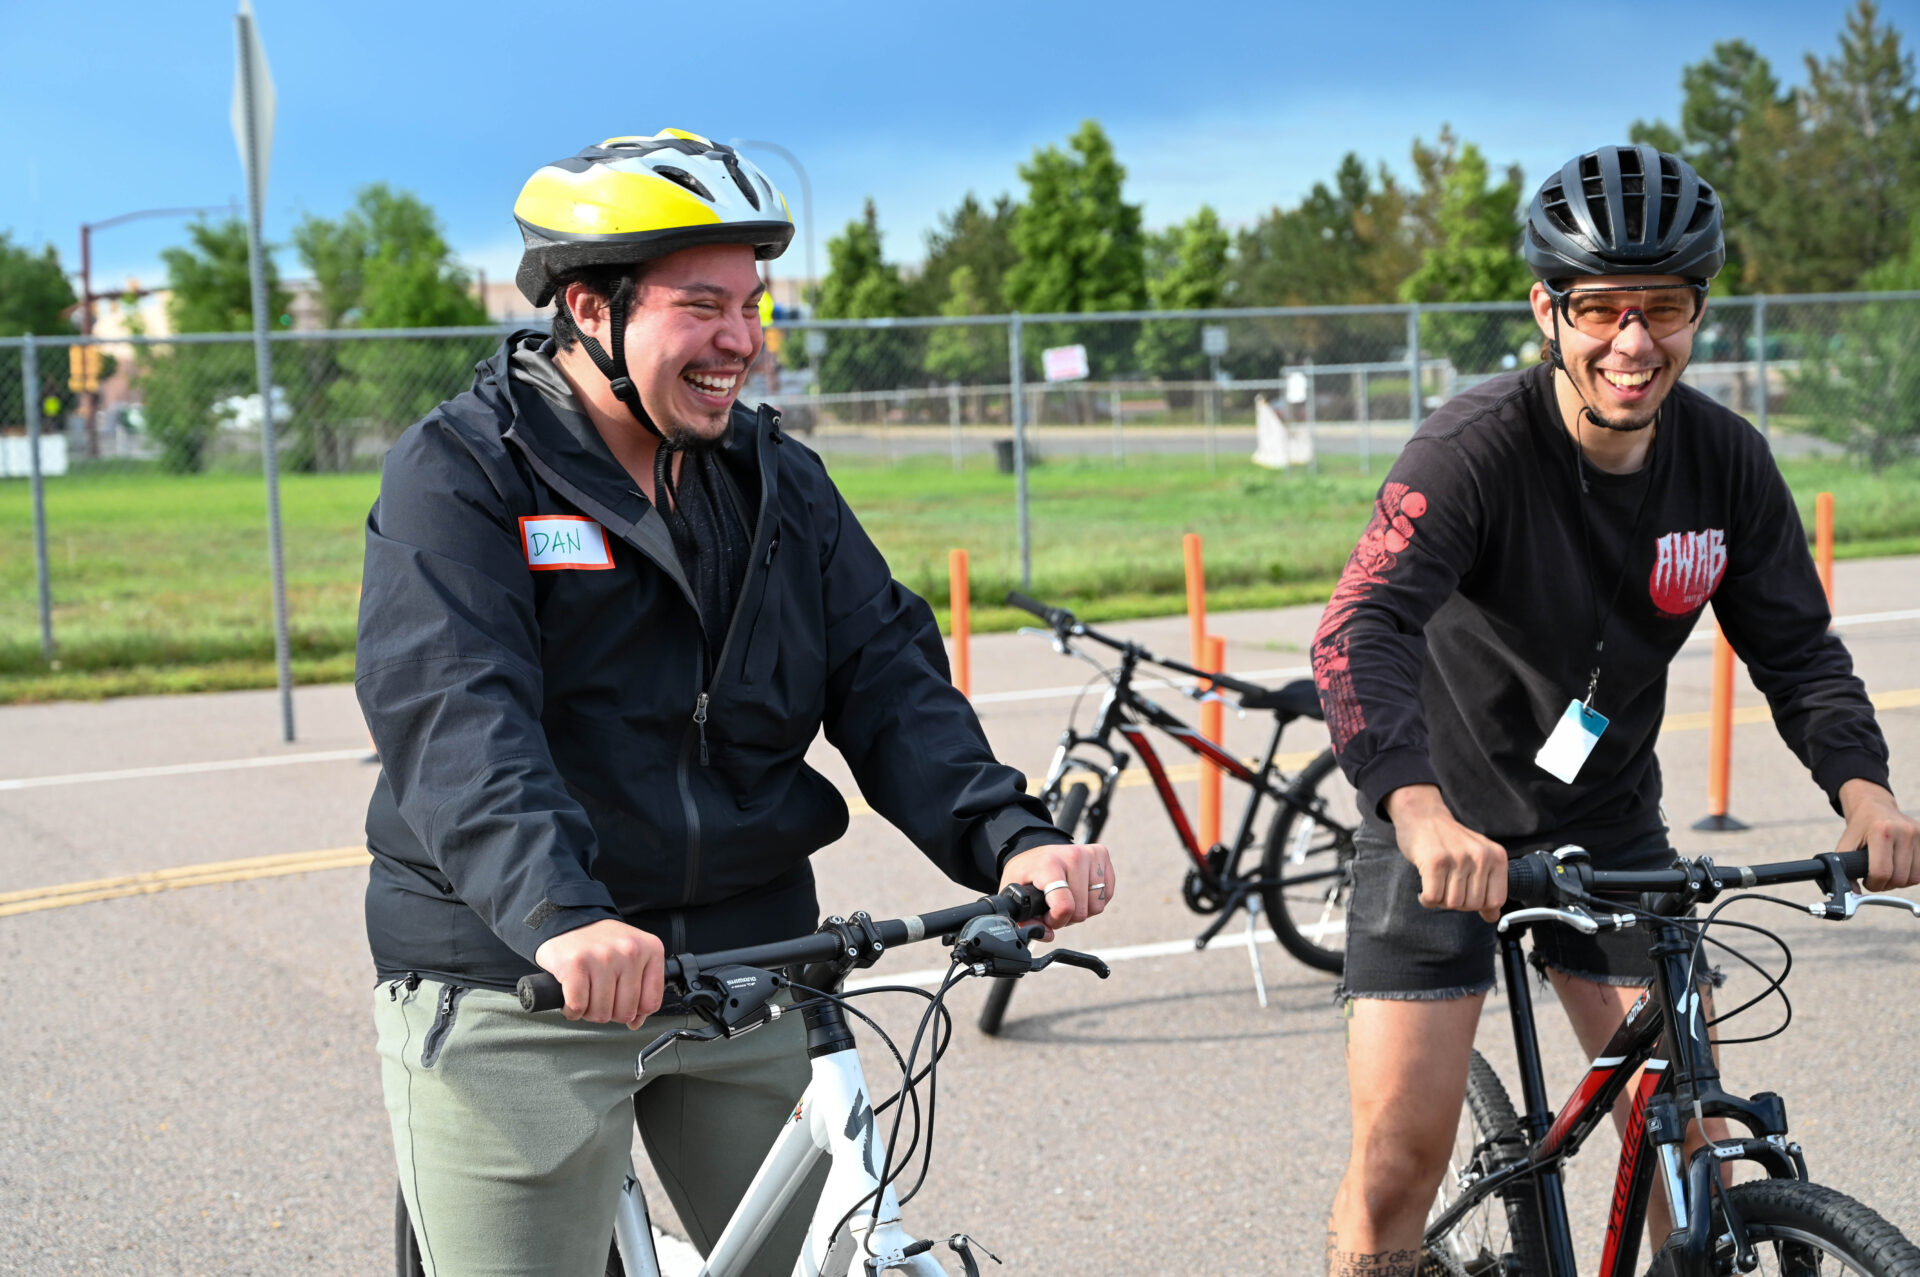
[(1573, 738)]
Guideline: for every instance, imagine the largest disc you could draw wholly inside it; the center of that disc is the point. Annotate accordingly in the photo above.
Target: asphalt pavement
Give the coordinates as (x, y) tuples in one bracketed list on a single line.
[(189, 1075)]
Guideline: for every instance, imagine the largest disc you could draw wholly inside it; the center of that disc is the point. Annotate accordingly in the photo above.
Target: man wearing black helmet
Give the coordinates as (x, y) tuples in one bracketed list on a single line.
[(606, 611), (1494, 662)]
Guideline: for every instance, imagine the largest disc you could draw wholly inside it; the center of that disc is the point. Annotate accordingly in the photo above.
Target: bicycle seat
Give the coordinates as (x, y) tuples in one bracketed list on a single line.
[(1298, 699)]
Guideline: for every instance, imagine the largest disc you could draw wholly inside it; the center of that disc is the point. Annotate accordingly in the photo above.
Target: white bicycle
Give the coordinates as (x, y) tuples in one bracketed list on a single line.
[(857, 1220)]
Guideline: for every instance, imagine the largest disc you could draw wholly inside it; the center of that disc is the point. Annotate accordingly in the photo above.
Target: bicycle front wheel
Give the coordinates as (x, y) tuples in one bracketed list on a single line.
[(1502, 1233), (1797, 1228), (1309, 859)]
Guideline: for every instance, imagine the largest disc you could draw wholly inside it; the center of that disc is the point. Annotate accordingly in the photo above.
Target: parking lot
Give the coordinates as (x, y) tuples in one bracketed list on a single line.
[(190, 1079)]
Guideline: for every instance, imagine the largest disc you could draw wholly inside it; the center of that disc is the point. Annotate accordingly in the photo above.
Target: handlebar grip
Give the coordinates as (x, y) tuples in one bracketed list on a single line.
[(540, 992), (1029, 902), (1055, 617), (1855, 863), (1530, 879)]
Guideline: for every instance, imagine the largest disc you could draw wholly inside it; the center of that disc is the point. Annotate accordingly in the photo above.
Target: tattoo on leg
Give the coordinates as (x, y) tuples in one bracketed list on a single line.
[(1387, 1263)]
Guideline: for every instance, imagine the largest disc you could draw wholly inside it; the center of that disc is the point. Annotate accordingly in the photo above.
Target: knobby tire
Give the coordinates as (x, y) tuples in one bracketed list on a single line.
[(1493, 1138), (1796, 1227), (1331, 848)]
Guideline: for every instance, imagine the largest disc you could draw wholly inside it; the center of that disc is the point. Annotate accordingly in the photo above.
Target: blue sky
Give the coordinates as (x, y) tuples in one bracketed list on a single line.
[(1241, 105)]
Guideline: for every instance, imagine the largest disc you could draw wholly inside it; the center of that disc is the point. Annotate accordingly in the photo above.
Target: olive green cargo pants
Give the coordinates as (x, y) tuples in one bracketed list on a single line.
[(512, 1131)]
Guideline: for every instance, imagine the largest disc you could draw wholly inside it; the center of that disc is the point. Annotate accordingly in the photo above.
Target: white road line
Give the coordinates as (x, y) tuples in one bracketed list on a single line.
[(1126, 953), (985, 698), (186, 769), (1839, 622), (1050, 693)]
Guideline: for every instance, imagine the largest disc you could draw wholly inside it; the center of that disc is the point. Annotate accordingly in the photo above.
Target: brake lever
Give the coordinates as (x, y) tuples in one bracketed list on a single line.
[(1073, 958), (710, 1033), (1579, 919), (1847, 903)]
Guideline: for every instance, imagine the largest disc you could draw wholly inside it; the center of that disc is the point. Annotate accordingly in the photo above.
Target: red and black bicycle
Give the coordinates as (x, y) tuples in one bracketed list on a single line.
[(1301, 882), (1502, 1209)]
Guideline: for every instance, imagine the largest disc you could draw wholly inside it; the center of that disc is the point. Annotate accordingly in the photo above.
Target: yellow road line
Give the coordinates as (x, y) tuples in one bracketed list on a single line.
[(1906, 698), (141, 884)]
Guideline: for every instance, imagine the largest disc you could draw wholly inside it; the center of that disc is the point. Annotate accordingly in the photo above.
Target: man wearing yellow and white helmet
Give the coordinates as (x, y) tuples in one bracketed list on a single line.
[(605, 612)]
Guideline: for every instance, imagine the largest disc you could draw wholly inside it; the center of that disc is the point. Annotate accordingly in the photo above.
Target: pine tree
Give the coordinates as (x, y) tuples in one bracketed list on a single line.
[(862, 284), (1187, 270)]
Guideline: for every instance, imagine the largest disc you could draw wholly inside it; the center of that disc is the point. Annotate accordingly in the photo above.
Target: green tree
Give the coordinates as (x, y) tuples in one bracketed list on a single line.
[(862, 284), (1472, 254), (1344, 243), (35, 296), (971, 236), (209, 288), (1186, 270), (969, 352), (385, 263), (1862, 390), (1081, 247), (188, 390), (1734, 120), (1079, 241)]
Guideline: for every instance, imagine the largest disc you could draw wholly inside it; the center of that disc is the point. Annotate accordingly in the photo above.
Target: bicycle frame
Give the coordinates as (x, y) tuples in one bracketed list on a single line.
[(1680, 1080), (1125, 711), (834, 1119)]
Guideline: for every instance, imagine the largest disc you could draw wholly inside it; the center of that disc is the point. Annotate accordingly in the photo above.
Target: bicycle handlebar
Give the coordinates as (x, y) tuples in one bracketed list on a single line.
[(1541, 878), (1064, 623), (1018, 903)]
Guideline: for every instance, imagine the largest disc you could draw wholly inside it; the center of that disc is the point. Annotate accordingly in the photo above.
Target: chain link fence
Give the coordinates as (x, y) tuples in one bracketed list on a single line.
[(1169, 389)]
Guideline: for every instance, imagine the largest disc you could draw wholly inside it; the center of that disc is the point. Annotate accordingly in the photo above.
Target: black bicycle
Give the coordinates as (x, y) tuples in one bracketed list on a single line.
[(1302, 882), (1503, 1209)]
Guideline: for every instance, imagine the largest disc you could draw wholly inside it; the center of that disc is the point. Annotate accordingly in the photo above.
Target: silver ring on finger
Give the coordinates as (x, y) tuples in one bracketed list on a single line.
[(1061, 885)]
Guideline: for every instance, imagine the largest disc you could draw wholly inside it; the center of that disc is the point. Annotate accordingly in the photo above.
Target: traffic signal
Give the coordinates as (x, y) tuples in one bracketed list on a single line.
[(83, 369)]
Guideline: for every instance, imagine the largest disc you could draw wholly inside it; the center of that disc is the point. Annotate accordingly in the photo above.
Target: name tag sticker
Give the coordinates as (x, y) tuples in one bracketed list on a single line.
[(1573, 738), (555, 541)]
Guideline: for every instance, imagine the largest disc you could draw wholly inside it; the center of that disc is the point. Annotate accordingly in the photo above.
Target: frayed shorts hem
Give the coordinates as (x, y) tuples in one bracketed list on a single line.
[(1343, 995)]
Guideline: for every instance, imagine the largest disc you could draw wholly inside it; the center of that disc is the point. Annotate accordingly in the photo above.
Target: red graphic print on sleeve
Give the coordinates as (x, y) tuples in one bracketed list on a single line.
[(1388, 533)]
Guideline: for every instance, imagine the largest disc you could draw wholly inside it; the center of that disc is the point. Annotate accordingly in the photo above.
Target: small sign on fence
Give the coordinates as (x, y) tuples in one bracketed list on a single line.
[(1213, 340), (1065, 363)]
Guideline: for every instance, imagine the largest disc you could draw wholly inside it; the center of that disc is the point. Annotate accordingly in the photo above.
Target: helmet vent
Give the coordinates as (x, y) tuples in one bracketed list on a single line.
[(681, 177), (734, 171)]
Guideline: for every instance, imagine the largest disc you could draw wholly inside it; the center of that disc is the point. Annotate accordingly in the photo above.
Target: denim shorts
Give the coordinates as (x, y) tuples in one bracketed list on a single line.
[(1400, 950)]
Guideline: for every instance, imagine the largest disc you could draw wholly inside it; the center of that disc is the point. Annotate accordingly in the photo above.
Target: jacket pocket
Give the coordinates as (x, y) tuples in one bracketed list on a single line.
[(442, 1027)]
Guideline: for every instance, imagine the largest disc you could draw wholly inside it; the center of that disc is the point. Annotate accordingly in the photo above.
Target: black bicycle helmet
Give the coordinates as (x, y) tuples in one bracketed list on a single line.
[(1625, 210)]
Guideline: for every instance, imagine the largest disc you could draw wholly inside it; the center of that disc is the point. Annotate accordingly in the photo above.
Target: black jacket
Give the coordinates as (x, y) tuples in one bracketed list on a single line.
[(1467, 617), (562, 746)]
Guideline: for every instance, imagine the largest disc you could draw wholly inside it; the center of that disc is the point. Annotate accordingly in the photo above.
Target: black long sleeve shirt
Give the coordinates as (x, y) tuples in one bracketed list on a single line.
[(1466, 619)]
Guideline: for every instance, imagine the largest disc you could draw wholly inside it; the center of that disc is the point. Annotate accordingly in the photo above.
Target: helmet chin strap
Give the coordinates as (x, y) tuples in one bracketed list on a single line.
[(614, 367)]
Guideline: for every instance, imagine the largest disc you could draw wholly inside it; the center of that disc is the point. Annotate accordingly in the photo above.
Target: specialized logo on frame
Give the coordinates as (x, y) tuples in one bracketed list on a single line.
[(1687, 567), (555, 541)]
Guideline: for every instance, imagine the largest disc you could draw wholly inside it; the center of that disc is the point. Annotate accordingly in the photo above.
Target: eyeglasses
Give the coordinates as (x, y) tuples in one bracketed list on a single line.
[(1603, 312)]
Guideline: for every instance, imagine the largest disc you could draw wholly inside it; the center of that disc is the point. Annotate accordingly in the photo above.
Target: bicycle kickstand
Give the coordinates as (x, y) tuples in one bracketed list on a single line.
[(1241, 898), (1253, 947)]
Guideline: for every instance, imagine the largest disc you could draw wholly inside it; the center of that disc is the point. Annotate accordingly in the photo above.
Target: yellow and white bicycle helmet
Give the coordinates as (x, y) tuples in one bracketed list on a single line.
[(630, 200)]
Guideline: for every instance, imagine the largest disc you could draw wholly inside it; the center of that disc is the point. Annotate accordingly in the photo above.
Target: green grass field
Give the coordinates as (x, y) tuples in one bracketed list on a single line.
[(160, 583)]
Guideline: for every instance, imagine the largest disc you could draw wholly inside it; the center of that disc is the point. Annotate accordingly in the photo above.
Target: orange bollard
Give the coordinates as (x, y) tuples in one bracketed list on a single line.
[(1720, 740), (1212, 725), (1823, 542), (1196, 600), (960, 603)]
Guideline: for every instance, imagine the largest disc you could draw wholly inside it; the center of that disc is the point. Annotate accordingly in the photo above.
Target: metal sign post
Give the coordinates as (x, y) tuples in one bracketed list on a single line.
[(253, 110), (1017, 414), (30, 388)]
